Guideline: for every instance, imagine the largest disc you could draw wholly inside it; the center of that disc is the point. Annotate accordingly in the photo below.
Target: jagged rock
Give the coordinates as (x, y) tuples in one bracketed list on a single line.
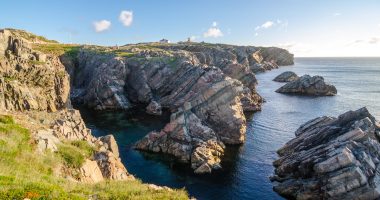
[(154, 108), (111, 166), (215, 82), (46, 140), (30, 80), (308, 85), (110, 144), (90, 172), (287, 76), (70, 126), (331, 158), (188, 139)]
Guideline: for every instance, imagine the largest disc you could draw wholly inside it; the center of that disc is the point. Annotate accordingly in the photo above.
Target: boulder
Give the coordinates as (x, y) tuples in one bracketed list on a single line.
[(287, 76), (307, 85), (331, 158)]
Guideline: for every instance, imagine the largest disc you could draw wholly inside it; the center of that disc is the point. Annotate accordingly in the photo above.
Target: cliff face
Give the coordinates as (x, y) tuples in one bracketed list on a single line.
[(36, 85), (205, 87), (30, 80)]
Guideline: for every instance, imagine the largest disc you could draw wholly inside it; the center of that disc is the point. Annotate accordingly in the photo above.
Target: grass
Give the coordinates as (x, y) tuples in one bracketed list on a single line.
[(70, 50), (124, 54), (30, 36), (27, 174)]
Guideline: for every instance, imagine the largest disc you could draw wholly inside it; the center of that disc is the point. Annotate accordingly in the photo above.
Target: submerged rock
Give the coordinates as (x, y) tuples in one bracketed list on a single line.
[(287, 76), (331, 158), (308, 85)]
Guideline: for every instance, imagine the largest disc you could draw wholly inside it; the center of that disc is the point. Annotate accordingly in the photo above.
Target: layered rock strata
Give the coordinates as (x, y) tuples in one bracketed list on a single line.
[(287, 76), (307, 85), (36, 84), (331, 158), (203, 86)]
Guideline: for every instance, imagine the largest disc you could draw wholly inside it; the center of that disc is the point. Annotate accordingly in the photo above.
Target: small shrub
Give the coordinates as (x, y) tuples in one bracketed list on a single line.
[(6, 119), (72, 155)]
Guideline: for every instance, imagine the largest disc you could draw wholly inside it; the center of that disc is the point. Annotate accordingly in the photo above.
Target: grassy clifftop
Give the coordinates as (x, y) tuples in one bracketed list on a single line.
[(24, 173)]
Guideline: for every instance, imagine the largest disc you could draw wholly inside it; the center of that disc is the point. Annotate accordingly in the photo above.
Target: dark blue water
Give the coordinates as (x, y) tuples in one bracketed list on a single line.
[(246, 168)]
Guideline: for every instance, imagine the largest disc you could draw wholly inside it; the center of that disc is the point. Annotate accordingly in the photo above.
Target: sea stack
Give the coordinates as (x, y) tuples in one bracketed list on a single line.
[(307, 85)]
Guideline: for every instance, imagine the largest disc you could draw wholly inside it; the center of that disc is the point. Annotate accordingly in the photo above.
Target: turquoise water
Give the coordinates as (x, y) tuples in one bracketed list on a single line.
[(247, 167)]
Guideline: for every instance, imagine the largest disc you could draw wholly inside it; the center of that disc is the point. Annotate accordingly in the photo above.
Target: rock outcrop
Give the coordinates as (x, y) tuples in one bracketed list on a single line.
[(29, 79), (307, 85), (204, 86), (287, 76), (331, 158), (33, 83)]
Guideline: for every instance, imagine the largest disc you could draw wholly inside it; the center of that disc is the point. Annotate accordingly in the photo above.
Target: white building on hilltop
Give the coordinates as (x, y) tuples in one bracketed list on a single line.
[(165, 41)]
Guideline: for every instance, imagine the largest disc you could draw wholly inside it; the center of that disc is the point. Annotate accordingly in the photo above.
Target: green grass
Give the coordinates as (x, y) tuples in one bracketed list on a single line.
[(74, 153), (124, 54), (58, 49), (24, 173), (30, 36)]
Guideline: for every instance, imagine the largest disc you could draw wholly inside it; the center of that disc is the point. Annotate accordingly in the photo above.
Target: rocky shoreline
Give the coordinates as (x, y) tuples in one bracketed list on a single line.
[(206, 87)]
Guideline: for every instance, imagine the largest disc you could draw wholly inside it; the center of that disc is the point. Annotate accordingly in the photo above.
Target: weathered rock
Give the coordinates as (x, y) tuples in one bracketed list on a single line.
[(287, 76), (30, 80), (307, 85), (46, 141), (110, 144), (331, 158), (90, 172), (189, 140), (154, 108)]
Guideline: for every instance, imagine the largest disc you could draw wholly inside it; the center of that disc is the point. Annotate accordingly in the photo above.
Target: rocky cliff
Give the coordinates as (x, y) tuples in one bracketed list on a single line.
[(206, 87), (37, 85)]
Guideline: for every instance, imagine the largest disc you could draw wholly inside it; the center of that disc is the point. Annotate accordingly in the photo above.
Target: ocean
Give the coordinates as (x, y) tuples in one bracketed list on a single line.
[(246, 168)]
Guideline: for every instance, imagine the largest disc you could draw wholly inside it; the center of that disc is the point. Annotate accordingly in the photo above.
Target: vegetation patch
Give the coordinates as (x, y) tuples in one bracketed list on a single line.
[(30, 36), (70, 50)]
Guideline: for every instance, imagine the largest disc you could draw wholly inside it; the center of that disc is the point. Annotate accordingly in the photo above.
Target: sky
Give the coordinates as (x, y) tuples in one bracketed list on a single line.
[(307, 28)]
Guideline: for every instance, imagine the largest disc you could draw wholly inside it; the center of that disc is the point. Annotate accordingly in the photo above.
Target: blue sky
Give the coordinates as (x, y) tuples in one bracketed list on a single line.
[(306, 28)]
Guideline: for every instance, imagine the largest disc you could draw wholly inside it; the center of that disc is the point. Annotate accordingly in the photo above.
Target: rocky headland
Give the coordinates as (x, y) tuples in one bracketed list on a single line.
[(331, 158), (307, 85), (35, 104), (206, 88)]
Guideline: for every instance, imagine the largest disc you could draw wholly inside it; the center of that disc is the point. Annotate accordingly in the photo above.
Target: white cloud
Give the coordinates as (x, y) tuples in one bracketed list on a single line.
[(126, 17), (337, 14), (266, 25), (281, 24), (214, 31), (102, 25)]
